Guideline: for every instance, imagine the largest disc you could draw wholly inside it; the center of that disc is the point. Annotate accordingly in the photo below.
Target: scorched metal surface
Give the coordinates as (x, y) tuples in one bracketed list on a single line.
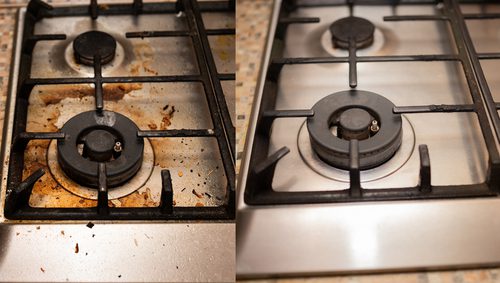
[(162, 84)]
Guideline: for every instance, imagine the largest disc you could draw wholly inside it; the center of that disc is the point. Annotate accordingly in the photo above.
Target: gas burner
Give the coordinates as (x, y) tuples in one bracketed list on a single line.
[(91, 43), (352, 28), (92, 138), (355, 114), (134, 184)]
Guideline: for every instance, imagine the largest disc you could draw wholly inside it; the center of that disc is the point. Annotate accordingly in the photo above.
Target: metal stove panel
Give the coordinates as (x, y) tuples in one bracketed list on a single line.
[(283, 240)]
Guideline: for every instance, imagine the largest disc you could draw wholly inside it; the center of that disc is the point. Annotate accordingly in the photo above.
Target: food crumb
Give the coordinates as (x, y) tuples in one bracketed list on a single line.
[(180, 173), (135, 242), (62, 232), (152, 126), (38, 227), (93, 235), (77, 249), (90, 225), (177, 267), (17, 233), (198, 204), (120, 276), (197, 194), (41, 269)]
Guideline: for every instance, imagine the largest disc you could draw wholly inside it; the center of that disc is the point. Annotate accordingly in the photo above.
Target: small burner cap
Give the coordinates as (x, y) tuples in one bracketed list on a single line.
[(92, 43), (353, 110), (98, 145), (359, 29), (354, 123)]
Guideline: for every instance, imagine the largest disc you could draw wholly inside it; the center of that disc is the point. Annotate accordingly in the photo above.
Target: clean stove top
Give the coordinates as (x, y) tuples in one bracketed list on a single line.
[(373, 143)]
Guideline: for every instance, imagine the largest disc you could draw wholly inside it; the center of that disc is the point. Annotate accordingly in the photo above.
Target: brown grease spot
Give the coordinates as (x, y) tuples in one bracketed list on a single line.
[(54, 94)]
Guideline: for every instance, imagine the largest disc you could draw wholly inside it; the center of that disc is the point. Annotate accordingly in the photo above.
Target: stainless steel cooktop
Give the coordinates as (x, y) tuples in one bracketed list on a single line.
[(304, 215), (171, 77)]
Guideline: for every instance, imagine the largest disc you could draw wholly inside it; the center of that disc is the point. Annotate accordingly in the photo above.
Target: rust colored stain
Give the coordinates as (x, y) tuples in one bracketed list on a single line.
[(111, 92), (137, 199)]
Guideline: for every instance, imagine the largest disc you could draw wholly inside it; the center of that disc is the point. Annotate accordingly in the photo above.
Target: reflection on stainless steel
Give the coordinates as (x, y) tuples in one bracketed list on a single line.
[(374, 236)]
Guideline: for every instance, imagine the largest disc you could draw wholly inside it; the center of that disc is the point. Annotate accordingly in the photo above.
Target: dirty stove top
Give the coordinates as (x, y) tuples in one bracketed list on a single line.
[(145, 98)]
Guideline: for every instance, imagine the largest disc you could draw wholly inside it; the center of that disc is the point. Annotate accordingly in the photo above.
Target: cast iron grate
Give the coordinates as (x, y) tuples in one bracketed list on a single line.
[(259, 189), (18, 190)]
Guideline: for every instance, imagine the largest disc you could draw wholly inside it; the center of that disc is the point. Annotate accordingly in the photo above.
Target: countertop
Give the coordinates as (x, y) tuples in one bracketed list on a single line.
[(252, 23)]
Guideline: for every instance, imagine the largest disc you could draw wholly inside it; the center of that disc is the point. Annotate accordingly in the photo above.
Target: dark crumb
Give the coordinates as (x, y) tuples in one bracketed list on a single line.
[(77, 249), (202, 150), (176, 267), (62, 232), (163, 244), (86, 253), (183, 189), (198, 195), (41, 269), (120, 276), (17, 233), (204, 183), (191, 170), (165, 107), (90, 225), (199, 175), (93, 235), (208, 195), (198, 184), (217, 167), (38, 227), (182, 161)]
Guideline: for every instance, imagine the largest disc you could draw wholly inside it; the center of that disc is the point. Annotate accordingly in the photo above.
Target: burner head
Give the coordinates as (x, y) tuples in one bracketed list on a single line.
[(92, 138), (92, 43), (355, 114), (359, 29)]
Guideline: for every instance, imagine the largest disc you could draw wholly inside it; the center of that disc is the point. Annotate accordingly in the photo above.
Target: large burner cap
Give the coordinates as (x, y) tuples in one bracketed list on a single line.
[(354, 112), (92, 43), (106, 137), (359, 29)]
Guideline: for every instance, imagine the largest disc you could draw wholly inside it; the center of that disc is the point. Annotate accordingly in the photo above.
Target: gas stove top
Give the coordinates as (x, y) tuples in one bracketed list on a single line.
[(119, 121), (374, 139), (121, 112)]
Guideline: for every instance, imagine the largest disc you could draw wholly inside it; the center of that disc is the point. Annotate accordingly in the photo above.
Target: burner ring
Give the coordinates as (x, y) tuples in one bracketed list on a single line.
[(373, 151), (84, 170), (359, 29), (91, 43)]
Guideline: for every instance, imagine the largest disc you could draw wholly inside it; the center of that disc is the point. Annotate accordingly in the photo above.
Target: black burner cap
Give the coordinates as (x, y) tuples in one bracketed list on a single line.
[(98, 145), (375, 148), (359, 29), (99, 133), (354, 123), (92, 43)]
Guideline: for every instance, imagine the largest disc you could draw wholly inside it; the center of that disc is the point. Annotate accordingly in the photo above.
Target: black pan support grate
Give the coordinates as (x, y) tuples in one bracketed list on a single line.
[(259, 189), (19, 191)]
